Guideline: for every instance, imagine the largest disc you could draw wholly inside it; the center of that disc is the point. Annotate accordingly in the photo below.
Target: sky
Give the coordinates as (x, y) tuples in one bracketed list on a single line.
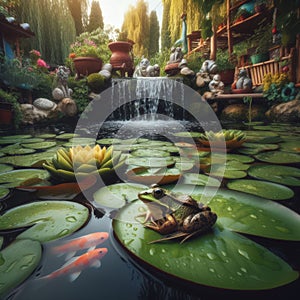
[(113, 10)]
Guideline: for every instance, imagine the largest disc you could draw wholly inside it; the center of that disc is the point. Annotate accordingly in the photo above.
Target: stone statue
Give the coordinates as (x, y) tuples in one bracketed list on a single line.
[(207, 71), (183, 39), (243, 82), (176, 55), (216, 86), (145, 69), (62, 90)]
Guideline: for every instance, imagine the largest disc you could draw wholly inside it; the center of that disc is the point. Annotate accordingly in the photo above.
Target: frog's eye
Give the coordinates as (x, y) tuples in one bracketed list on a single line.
[(157, 193)]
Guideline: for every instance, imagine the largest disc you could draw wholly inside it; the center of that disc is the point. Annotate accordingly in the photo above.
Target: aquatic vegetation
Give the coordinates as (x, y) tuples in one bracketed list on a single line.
[(78, 161)]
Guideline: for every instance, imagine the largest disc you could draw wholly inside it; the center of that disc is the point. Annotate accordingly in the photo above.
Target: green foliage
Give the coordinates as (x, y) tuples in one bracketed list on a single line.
[(96, 18), (80, 93), (195, 61), (165, 31), (222, 60), (153, 34), (161, 58), (96, 82), (78, 10), (12, 99)]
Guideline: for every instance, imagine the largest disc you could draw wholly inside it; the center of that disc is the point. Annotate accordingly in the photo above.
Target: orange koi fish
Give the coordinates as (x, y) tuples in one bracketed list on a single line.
[(89, 241), (74, 266)]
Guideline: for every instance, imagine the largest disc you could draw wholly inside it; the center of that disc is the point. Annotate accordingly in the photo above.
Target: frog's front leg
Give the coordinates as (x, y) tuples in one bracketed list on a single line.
[(164, 226), (199, 222)]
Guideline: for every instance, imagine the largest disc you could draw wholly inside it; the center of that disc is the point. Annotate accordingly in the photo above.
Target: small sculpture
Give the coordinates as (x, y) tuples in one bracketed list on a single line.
[(183, 39), (62, 90), (216, 86), (243, 82), (176, 55), (144, 69), (207, 71)]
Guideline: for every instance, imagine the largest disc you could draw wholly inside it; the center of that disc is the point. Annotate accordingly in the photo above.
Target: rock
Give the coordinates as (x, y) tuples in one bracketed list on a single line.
[(186, 71), (44, 104), (68, 107), (57, 94), (105, 73), (32, 114), (285, 112)]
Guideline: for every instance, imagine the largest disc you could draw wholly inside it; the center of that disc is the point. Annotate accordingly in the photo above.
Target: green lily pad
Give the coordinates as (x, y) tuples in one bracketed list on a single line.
[(151, 162), (18, 261), (200, 179), (28, 160), (150, 153), (66, 136), (1, 154), (108, 141), (117, 195), (260, 188), (46, 136), (80, 141), (40, 145), (32, 141), (17, 177), (51, 220), (260, 147), (278, 157), (5, 168), (20, 151), (240, 158), (229, 172), (279, 174), (3, 193), (291, 146), (219, 258)]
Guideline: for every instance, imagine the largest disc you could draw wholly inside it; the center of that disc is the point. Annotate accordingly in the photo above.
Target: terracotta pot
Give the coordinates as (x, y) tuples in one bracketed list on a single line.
[(227, 76), (6, 114), (87, 65), (121, 58)]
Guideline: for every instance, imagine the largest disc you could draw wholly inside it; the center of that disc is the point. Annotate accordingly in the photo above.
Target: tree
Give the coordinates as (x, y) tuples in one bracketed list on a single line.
[(153, 34), (165, 31), (78, 9), (53, 32), (136, 24), (96, 18)]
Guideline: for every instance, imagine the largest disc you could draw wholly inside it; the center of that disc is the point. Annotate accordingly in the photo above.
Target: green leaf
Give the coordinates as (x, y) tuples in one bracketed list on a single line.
[(32, 141), (66, 136), (150, 153), (17, 262), (200, 179), (280, 174), (3, 193), (51, 220), (40, 145), (151, 162), (5, 168), (278, 157), (219, 258), (261, 188)]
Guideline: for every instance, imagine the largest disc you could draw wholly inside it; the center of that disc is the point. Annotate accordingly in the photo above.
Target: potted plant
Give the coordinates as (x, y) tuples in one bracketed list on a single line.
[(86, 55), (225, 66), (122, 58)]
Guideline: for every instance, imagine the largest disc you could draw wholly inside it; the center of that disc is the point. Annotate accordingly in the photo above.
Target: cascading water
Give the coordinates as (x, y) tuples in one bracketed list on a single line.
[(152, 95)]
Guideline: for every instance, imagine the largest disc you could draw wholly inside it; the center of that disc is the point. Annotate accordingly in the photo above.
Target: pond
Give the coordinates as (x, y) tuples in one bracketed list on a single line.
[(124, 273)]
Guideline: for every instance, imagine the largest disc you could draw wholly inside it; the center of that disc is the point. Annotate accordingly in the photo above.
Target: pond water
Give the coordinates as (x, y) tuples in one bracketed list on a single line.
[(121, 276)]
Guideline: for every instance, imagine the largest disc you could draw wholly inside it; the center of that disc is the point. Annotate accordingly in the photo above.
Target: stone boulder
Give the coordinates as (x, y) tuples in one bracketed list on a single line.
[(285, 112)]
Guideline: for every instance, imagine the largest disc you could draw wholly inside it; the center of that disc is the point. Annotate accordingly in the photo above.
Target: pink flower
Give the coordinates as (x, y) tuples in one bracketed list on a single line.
[(35, 52), (41, 63)]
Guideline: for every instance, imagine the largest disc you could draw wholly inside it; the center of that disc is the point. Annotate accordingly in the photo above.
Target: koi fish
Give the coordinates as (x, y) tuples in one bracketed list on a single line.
[(89, 241), (74, 266)]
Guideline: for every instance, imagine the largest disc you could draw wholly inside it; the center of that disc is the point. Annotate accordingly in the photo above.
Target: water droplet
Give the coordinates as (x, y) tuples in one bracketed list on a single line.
[(229, 208), (128, 225), (239, 273), (71, 219), (167, 265), (211, 270), (253, 216), (135, 228), (211, 256), (282, 229), (244, 270), (243, 253), (224, 253), (152, 251), (163, 250), (128, 242), (63, 232), (191, 255)]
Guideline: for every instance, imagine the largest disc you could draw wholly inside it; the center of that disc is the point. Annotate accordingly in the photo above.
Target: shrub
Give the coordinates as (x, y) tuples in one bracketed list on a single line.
[(96, 82)]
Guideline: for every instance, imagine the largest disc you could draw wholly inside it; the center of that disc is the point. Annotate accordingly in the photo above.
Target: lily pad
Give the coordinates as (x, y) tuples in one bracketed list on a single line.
[(47, 136), (151, 162), (150, 153), (32, 140), (279, 174), (240, 158), (20, 151), (200, 179), (291, 146), (17, 177), (108, 141), (117, 195), (3, 194), (260, 188), (66, 136), (218, 171), (278, 157), (5, 168), (49, 220), (219, 258), (187, 134), (18, 261), (40, 145), (35, 159)]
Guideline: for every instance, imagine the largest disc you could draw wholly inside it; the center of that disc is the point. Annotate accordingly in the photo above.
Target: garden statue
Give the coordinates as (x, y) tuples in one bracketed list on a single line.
[(183, 39), (216, 86), (207, 71), (184, 69), (176, 55), (243, 82), (145, 69)]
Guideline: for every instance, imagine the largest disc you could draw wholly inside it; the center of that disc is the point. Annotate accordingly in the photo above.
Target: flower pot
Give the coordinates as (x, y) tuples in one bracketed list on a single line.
[(227, 76), (6, 114), (260, 57), (87, 65), (121, 58)]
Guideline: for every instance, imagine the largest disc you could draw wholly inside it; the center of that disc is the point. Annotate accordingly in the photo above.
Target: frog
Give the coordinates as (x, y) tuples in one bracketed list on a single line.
[(175, 216)]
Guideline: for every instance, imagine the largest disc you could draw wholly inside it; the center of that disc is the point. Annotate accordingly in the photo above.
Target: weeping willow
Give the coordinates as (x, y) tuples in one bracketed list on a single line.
[(53, 25), (136, 25)]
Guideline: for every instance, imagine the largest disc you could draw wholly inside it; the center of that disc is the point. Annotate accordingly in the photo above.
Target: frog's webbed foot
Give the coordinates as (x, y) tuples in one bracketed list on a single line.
[(173, 236)]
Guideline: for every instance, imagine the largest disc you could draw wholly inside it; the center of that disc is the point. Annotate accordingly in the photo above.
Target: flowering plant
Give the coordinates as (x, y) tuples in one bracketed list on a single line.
[(85, 48), (35, 57)]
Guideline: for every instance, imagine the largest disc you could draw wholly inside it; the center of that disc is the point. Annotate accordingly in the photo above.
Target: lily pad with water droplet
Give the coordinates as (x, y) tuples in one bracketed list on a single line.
[(20, 151), (108, 141), (219, 258), (49, 220), (151, 162), (279, 174), (150, 153), (291, 146), (18, 261), (40, 145), (117, 195), (261, 188), (46, 136), (32, 141), (278, 157), (66, 136), (3, 194), (200, 179), (240, 158), (17, 177)]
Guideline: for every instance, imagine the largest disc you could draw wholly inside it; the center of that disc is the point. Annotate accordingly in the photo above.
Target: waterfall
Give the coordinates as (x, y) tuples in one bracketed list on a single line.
[(144, 97)]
